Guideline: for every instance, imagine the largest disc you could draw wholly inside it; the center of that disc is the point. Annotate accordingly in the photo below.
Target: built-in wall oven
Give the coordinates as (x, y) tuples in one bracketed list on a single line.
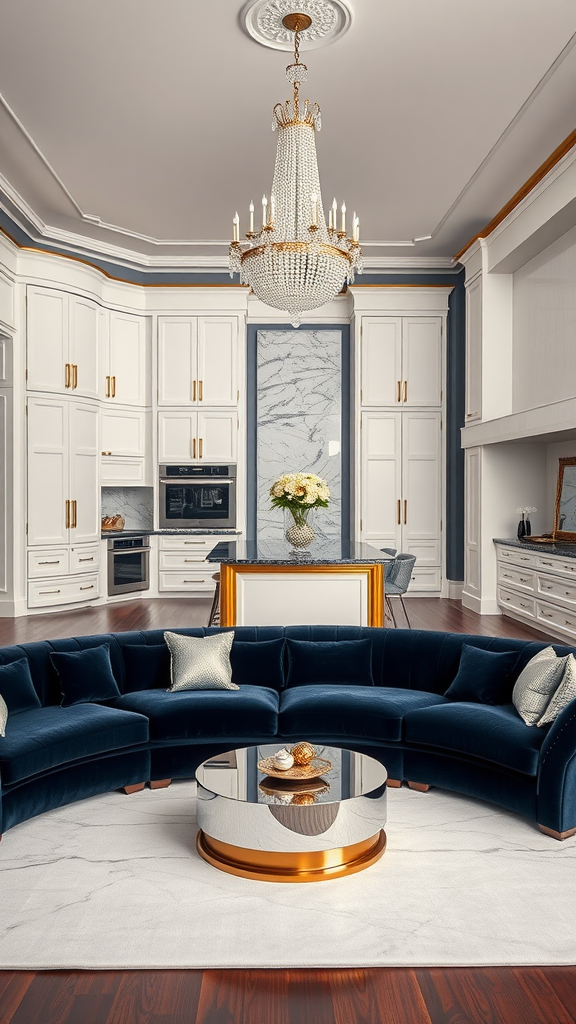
[(128, 564), (197, 496)]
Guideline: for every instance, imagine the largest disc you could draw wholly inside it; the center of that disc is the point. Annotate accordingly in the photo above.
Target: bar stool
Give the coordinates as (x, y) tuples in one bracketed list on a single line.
[(214, 618)]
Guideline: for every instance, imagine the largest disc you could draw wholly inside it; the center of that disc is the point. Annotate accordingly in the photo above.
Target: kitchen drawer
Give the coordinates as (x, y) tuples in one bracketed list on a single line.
[(563, 566), (84, 558), (516, 555), (68, 590), (561, 590), (517, 602), (425, 579), (120, 470), (556, 617), (185, 542), (194, 580), (48, 562), (511, 576), (192, 557)]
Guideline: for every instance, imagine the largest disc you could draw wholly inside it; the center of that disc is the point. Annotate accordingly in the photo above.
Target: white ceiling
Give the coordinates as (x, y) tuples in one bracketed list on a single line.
[(140, 126)]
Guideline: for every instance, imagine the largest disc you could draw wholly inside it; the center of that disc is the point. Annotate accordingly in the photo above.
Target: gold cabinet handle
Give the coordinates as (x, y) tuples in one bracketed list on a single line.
[(113, 387), (200, 390), (405, 511), (200, 446), (398, 511), (90, 587), (399, 393), (193, 447), (405, 390), (193, 390), (67, 515), (67, 375), (55, 561), (74, 376), (91, 559), (106, 453), (74, 514), (107, 387), (49, 591)]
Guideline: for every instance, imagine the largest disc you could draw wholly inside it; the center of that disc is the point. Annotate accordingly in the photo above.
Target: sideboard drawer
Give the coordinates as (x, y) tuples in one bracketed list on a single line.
[(511, 576), (516, 602), (561, 589), (551, 563), (50, 562), (183, 542), (84, 558), (517, 555), (193, 580), (193, 557), (556, 616)]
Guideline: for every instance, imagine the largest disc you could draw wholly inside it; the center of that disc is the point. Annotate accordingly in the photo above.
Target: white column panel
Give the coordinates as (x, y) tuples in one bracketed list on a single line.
[(291, 599)]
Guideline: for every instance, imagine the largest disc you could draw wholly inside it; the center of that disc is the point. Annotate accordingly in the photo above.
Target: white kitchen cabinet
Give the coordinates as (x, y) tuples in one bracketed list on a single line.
[(125, 374), (401, 477), (198, 361), (189, 436), (125, 447), (401, 361), (63, 485), (62, 343), (182, 565), (538, 588)]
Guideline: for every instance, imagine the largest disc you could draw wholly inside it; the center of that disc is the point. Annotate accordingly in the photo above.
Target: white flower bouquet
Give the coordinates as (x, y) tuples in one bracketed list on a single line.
[(299, 492)]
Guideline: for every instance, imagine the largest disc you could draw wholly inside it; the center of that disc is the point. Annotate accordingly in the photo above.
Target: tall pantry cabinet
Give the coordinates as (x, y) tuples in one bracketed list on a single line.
[(400, 397)]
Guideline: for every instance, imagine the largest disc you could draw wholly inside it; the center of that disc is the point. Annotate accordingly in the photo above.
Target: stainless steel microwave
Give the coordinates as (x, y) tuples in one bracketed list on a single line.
[(197, 496)]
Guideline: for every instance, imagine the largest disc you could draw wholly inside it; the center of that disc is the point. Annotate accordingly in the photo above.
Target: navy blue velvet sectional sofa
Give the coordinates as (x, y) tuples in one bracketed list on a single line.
[(388, 701)]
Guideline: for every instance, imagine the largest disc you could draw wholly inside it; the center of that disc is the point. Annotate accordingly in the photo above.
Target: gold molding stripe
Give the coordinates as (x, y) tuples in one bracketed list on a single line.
[(524, 190), (307, 866), (373, 571)]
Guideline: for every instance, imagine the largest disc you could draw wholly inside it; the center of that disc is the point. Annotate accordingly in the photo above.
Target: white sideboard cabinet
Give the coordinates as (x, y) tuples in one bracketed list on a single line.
[(538, 588), (182, 565), (198, 361)]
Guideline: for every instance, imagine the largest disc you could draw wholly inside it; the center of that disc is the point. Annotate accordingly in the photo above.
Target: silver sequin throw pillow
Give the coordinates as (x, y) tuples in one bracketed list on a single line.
[(200, 662), (3, 716)]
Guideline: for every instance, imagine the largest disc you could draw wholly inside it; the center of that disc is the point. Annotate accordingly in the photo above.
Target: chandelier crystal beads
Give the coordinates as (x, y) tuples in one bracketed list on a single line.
[(295, 261)]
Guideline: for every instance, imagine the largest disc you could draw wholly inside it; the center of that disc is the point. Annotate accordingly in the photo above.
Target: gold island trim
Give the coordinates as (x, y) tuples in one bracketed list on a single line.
[(307, 866)]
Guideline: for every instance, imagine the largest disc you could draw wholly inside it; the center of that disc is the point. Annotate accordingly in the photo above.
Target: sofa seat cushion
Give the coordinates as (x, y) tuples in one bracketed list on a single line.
[(367, 712), (45, 738), (250, 712), (492, 732)]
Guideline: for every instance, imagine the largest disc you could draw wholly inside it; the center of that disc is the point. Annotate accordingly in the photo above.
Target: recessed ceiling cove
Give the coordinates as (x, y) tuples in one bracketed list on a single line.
[(262, 19)]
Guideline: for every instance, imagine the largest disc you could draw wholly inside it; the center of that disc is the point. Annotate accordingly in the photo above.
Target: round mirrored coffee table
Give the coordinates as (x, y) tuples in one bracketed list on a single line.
[(291, 830)]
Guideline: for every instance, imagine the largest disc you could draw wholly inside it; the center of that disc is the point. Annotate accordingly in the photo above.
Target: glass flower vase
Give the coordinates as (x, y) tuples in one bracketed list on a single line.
[(298, 528)]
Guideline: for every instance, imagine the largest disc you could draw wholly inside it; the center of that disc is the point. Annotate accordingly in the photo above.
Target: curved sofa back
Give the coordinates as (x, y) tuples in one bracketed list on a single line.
[(413, 659)]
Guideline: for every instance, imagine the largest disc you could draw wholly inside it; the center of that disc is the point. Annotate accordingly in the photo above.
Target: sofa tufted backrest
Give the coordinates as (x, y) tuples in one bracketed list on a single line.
[(414, 659)]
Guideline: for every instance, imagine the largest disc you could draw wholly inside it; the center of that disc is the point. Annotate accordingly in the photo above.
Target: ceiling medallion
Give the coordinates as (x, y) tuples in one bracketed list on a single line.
[(294, 261), (263, 20)]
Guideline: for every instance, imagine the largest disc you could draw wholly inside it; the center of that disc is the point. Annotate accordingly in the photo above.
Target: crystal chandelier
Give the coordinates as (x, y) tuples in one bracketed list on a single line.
[(295, 262)]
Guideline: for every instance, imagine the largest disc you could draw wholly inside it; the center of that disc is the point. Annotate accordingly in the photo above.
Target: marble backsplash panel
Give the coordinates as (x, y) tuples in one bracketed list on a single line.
[(299, 381), (136, 504)]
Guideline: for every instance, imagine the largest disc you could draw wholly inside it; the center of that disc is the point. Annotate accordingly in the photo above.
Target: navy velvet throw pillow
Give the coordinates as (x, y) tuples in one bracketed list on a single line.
[(338, 661), (17, 688), (85, 675), (258, 663), (147, 666), (483, 677)]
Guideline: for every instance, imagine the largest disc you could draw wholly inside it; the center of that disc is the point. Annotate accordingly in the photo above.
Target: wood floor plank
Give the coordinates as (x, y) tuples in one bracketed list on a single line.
[(561, 981), (248, 996), (155, 997), (368, 996), (49, 999), (13, 988)]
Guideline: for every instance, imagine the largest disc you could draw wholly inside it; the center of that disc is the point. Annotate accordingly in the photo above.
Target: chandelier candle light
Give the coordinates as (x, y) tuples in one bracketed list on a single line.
[(295, 262)]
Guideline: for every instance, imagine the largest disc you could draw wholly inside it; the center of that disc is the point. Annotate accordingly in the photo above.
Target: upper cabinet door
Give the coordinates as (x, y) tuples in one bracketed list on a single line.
[(422, 361), (49, 509), (381, 361), (83, 349), (217, 436), (177, 436), (177, 361), (217, 361), (84, 468), (126, 374), (48, 366)]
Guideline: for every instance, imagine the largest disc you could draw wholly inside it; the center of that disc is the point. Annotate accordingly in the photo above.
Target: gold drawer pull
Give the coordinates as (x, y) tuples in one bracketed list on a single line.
[(200, 390), (91, 559), (200, 446), (67, 515), (74, 375), (49, 591), (107, 387), (405, 390), (193, 390), (106, 453), (90, 587), (405, 511), (193, 447), (200, 542), (67, 375), (398, 511), (399, 393), (113, 387), (55, 562)]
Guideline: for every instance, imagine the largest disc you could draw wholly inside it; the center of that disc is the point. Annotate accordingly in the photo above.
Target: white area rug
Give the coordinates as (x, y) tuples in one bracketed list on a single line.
[(115, 882)]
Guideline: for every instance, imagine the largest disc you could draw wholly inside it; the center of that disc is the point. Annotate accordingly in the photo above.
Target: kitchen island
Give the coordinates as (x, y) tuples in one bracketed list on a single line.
[(335, 582)]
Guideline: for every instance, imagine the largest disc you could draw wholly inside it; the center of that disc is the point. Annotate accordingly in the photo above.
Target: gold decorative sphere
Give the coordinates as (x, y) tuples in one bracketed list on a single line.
[(303, 799), (303, 753)]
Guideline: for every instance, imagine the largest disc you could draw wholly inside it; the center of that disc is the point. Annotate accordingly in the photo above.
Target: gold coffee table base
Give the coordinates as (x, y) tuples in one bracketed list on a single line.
[(309, 866)]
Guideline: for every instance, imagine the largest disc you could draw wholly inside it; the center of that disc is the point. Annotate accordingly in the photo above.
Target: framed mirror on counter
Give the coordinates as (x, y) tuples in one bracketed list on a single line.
[(565, 514)]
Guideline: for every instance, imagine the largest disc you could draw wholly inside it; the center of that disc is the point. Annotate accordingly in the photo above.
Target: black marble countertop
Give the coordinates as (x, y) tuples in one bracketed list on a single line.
[(168, 533), (322, 551), (566, 550)]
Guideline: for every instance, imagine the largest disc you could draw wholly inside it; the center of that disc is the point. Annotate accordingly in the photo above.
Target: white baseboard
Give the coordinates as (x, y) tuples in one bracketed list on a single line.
[(455, 588), (10, 609), (482, 606)]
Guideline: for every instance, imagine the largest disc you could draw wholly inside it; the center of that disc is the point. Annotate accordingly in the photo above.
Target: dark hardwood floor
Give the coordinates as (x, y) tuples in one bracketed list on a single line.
[(489, 995)]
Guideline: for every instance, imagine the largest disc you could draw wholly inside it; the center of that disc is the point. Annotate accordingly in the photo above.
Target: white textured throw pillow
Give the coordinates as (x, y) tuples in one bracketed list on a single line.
[(3, 716), (564, 694), (535, 685), (200, 662)]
